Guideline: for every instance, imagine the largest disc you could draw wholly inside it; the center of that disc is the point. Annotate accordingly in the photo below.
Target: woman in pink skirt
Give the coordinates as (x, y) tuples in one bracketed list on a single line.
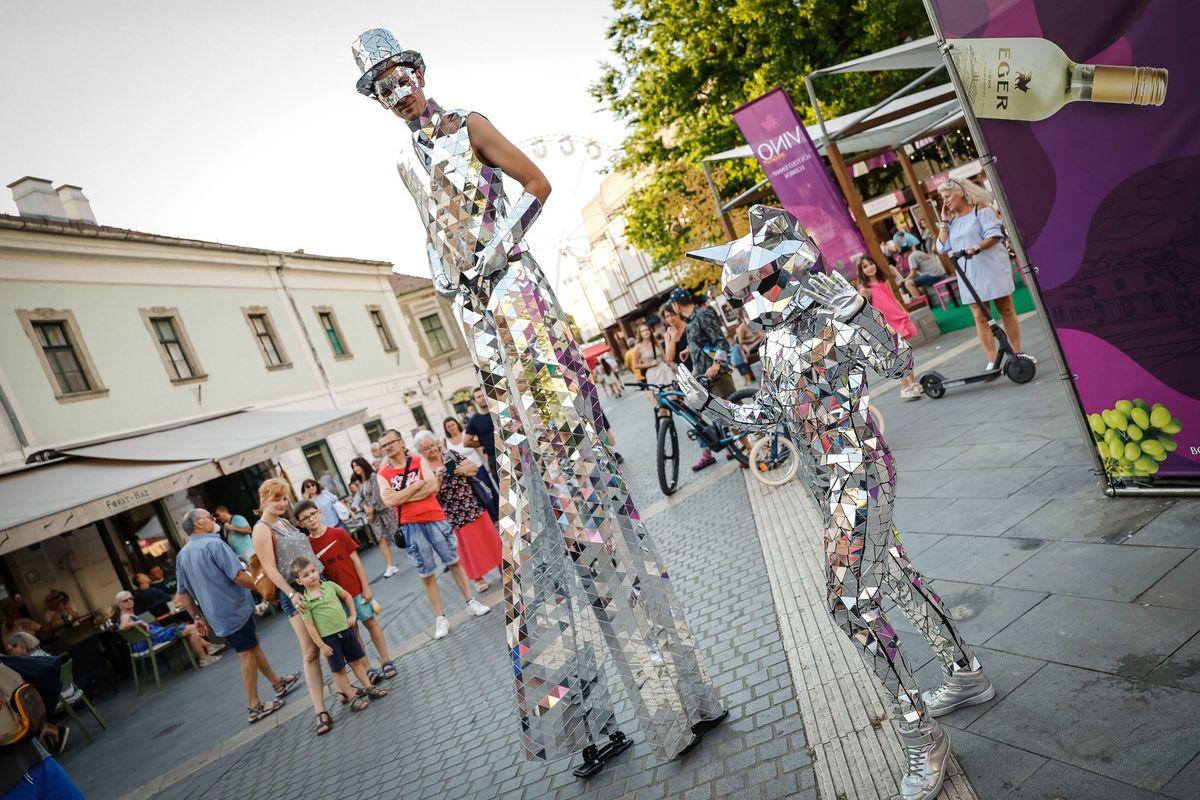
[(478, 540), (876, 284)]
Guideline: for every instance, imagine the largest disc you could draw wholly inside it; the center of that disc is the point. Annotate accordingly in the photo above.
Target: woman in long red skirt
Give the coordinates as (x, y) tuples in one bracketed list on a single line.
[(478, 540)]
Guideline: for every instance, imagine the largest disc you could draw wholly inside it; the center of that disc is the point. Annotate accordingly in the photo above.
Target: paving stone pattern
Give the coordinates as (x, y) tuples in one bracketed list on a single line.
[(1084, 607), (448, 727)]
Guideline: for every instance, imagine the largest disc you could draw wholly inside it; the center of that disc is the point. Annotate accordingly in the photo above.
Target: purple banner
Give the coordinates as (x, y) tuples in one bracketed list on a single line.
[(780, 142), (1105, 192)]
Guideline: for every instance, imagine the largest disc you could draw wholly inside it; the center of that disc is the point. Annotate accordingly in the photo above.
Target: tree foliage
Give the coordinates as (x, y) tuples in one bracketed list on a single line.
[(680, 68)]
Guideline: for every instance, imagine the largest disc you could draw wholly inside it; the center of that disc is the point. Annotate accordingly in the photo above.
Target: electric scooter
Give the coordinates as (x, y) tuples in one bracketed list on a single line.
[(1018, 367)]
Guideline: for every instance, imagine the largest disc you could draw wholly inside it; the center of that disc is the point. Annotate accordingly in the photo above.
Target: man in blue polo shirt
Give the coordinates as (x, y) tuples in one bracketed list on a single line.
[(211, 576)]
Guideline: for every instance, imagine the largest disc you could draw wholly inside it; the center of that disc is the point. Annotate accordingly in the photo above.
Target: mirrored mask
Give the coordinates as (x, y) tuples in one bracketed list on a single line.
[(391, 89)]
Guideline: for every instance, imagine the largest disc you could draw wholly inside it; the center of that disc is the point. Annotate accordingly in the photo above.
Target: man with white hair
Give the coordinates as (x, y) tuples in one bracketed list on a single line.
[(409, 486), (210, 574)]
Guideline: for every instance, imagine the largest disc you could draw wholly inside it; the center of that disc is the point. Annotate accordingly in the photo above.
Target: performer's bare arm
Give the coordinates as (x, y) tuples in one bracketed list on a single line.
[(496, 151)]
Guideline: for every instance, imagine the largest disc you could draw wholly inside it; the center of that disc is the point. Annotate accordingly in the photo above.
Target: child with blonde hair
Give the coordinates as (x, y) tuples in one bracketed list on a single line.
[(332, 631)]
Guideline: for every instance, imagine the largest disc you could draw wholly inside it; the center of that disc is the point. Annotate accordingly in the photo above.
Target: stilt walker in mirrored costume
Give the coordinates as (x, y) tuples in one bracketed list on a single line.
[(821, 338), (572, 537)]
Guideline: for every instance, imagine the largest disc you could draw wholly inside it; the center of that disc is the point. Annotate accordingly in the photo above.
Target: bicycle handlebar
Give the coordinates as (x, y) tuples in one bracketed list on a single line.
[(646, 386)]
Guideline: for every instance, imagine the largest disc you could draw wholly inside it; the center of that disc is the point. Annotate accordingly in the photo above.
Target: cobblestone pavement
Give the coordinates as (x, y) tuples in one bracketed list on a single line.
[(448, 728)]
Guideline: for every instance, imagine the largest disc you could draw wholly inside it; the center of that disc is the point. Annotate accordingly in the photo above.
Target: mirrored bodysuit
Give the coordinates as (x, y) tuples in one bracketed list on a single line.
[(569, 527), (821, 339)]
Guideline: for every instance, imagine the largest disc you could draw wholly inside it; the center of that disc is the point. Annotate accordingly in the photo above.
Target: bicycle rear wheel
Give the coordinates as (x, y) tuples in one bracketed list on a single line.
[(774, 459), (668, 456)]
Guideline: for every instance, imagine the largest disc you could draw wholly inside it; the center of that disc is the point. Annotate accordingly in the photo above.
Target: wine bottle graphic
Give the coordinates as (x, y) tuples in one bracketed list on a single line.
[(1031, 79)]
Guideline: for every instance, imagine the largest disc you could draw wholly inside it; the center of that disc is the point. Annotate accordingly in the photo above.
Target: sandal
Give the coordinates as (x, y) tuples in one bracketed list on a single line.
[(377, 691), (286, 684), (263, 710), (374, 676), (343, 697), (389, 670), (361, 701), (324, 723)]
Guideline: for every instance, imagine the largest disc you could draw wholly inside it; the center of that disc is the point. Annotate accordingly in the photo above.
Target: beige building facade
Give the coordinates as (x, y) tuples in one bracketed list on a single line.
[(119, 339)]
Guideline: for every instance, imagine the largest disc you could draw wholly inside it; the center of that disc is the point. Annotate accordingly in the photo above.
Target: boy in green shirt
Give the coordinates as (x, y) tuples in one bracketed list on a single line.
[(325, 618)]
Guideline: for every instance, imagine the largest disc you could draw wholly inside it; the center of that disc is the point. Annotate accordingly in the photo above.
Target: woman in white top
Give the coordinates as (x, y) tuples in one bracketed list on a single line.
[(969, 223), (454, 441), (650, 359)]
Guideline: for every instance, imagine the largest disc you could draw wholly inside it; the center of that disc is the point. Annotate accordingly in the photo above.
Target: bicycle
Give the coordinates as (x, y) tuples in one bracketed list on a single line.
[(774, 458), (713, 435)]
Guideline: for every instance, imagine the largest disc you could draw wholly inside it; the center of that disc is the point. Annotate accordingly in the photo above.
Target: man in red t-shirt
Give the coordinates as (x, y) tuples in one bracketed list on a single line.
[(405, 485), (339, 555)]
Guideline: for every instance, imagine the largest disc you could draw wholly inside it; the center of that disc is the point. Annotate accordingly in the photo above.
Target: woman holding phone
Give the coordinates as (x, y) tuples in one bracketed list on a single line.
[(968, 223)]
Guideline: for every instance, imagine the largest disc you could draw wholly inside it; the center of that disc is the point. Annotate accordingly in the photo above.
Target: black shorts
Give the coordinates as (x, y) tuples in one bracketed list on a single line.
[(346, 649), (244, 638)]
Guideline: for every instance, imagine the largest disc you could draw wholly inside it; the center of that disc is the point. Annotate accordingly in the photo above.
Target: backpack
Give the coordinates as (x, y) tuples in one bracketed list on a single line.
[(22, 712)]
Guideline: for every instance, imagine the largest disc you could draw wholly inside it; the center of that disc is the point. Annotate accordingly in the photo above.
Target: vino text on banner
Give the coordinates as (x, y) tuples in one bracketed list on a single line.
[(798, 177)]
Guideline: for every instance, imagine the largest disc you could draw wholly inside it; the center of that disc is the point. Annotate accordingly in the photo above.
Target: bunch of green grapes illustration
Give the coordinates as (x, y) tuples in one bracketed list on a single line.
[(1133, 437)]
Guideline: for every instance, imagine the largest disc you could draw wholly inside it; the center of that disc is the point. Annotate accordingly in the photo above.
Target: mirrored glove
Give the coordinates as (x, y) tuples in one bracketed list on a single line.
[(834, 293), (696, 394)]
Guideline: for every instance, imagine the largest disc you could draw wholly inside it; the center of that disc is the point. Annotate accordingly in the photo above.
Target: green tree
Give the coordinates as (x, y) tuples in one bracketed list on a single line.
[(574, 326), (680, 68)]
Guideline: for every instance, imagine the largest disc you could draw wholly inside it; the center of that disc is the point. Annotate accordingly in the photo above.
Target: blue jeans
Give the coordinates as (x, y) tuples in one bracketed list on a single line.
[(424, 540), (47, 781)]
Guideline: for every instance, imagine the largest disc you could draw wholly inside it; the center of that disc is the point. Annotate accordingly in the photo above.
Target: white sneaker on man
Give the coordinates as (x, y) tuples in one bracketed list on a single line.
[(441, 627), (476, 608), (390, 571)]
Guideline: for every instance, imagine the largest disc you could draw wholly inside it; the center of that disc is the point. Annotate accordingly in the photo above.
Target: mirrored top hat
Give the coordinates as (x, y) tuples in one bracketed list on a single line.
[(764, 271), (376, 50)]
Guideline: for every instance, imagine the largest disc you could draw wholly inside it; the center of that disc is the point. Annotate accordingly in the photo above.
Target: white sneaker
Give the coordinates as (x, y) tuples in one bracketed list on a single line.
[(441, 627), (390, 571), (476, 608)]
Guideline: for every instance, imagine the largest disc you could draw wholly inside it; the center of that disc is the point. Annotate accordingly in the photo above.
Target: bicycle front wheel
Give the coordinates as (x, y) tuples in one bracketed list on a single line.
[(668, 456), (774, 459)]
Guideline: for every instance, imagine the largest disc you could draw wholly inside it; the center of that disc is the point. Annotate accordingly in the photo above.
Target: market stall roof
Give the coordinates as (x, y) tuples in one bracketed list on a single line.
[(917, 54), (893, 133), (98, 480)]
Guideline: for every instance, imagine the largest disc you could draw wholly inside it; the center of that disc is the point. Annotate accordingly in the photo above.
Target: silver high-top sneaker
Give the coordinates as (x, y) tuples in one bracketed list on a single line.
[(926, 750), (964, 688)]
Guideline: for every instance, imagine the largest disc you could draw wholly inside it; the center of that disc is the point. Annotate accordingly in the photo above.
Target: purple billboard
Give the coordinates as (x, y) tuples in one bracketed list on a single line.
[(1092, 110), (797, 174)]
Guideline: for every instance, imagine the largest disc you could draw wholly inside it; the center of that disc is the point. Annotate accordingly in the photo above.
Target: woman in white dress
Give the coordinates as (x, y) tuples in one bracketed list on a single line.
[(969, 223)]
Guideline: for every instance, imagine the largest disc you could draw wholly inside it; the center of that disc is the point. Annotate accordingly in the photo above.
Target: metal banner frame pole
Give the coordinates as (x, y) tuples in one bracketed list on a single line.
[(1029, 271)]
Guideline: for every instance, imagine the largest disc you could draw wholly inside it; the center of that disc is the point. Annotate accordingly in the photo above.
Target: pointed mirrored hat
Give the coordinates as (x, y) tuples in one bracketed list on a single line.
[(764, 271), (376, 50)]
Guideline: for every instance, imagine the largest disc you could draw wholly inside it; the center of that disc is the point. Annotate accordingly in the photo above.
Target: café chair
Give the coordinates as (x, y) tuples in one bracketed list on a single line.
[(73, 695), (135, 634)]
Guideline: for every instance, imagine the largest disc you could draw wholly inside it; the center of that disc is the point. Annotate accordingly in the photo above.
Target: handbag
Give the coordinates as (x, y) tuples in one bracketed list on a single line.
[(398, 536), (263, 585), (484, 494), (22, 711)]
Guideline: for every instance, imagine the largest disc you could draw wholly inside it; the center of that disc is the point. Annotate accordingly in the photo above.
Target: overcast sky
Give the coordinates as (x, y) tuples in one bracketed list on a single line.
[(238, 121)]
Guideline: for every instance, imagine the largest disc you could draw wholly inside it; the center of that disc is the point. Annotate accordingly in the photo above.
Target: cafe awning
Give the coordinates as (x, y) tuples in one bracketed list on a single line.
[(917, 54), (932, 108), (96, 480)]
